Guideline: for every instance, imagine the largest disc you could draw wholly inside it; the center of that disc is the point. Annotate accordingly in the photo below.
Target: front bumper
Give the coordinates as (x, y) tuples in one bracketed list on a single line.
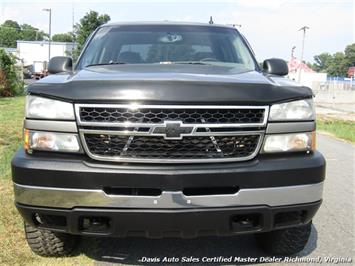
[(67, 192), (79, 172), (158, 223), (95, 198)]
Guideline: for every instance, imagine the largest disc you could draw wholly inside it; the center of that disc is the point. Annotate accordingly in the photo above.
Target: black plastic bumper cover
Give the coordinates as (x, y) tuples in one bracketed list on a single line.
[(77, 171), (160, 223)]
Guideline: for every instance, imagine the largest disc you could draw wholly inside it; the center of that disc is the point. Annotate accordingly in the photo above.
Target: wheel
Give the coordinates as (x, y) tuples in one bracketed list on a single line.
[(49, 244), (285, 241)]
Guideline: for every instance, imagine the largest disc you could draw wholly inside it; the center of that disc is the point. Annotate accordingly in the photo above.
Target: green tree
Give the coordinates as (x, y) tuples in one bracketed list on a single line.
[(8, 36), (335, 64), (350, 54), (322, 61), (87, 25), (11, 31), (63, 37), (29, 33), (338, 65), (10, 81), (11, 24)]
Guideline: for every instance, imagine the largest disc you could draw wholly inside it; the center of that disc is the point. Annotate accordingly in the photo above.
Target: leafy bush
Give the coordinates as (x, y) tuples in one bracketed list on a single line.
[(10, 82)]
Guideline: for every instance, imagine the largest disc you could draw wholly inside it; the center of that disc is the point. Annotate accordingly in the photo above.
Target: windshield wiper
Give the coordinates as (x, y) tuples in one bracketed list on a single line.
[(191, 63), (106, 64)]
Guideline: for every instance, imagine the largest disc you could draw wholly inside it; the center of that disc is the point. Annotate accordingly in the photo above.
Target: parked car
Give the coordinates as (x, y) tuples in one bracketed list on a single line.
[(168, 130)]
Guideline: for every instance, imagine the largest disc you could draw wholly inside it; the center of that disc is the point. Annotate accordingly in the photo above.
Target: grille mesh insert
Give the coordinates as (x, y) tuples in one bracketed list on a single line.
[(159, 115), (154, 147)]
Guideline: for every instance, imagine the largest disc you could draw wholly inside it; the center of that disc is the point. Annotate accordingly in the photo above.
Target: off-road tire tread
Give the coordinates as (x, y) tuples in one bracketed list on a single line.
[(49, 244), (285, 241)]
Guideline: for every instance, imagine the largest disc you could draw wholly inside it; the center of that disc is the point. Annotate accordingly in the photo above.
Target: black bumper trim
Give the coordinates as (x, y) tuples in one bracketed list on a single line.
[(161, 223), (75, 171)]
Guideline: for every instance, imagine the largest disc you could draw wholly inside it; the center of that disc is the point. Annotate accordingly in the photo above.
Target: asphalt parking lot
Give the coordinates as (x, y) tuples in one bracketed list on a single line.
[(332, 233)]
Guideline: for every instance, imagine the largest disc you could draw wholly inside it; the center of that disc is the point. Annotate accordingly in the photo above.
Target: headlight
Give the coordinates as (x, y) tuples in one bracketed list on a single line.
[(44, 108), (50, 141), (296, 110), (289, 142)]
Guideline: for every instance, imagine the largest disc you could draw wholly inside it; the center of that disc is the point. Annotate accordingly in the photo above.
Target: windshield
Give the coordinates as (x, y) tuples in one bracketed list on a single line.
[(167, 44)]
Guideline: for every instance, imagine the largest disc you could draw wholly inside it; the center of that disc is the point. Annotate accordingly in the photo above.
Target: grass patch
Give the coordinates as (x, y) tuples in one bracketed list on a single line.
[(339, 128), (11, 117), (13, 246)]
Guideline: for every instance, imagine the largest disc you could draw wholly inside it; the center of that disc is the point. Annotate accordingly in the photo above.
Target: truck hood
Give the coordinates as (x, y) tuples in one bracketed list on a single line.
[(156, 83)]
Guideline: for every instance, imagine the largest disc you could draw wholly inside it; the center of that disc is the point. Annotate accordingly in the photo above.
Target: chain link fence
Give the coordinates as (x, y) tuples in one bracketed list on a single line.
[(335, 94)]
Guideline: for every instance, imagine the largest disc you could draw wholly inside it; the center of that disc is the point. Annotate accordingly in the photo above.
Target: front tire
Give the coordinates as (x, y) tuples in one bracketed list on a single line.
[(285, 241), (49, 244)]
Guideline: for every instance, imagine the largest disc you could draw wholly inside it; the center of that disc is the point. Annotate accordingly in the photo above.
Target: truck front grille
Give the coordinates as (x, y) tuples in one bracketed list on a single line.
[(201, 147), (159, 115), (171, 134)]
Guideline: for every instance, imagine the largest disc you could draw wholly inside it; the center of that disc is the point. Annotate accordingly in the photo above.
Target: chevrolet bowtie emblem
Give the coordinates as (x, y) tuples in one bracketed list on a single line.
[(172, 130)]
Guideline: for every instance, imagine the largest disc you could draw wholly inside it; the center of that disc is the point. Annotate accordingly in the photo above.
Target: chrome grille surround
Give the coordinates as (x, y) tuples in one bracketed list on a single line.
[(203, 129)]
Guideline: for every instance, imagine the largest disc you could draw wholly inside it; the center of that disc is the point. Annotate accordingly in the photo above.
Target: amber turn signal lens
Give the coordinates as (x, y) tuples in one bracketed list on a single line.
[(314, 140), (26, 139)]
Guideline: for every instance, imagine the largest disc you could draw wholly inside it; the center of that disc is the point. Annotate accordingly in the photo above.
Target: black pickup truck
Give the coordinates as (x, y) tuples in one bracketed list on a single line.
[(168, 130)]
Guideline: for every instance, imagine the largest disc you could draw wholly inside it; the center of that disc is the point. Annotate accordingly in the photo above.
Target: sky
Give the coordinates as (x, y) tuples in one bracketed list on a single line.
[(271, 26)]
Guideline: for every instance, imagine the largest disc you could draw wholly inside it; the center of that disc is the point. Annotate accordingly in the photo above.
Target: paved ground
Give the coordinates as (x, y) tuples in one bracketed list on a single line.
[(332, 234), (340, 107), (330, 111)]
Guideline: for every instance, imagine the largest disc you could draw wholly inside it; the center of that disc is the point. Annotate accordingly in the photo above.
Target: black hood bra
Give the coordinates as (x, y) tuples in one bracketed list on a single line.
[(172, 84)]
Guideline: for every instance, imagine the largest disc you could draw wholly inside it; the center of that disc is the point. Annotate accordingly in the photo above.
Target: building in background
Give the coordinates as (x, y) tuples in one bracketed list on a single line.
[(34, 55), (308, 75), (32, 51)]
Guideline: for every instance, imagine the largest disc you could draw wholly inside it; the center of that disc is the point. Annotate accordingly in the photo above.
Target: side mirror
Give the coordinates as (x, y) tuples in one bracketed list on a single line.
[(59, 64), (275, 66)]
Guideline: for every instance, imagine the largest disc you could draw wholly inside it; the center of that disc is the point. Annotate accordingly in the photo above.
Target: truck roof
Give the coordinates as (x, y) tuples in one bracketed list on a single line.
[(173, 23)]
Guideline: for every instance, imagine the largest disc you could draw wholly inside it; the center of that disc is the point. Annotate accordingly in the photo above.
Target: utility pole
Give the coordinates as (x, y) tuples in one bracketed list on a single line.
[(49, 31), (73, 23), (304, 28)]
